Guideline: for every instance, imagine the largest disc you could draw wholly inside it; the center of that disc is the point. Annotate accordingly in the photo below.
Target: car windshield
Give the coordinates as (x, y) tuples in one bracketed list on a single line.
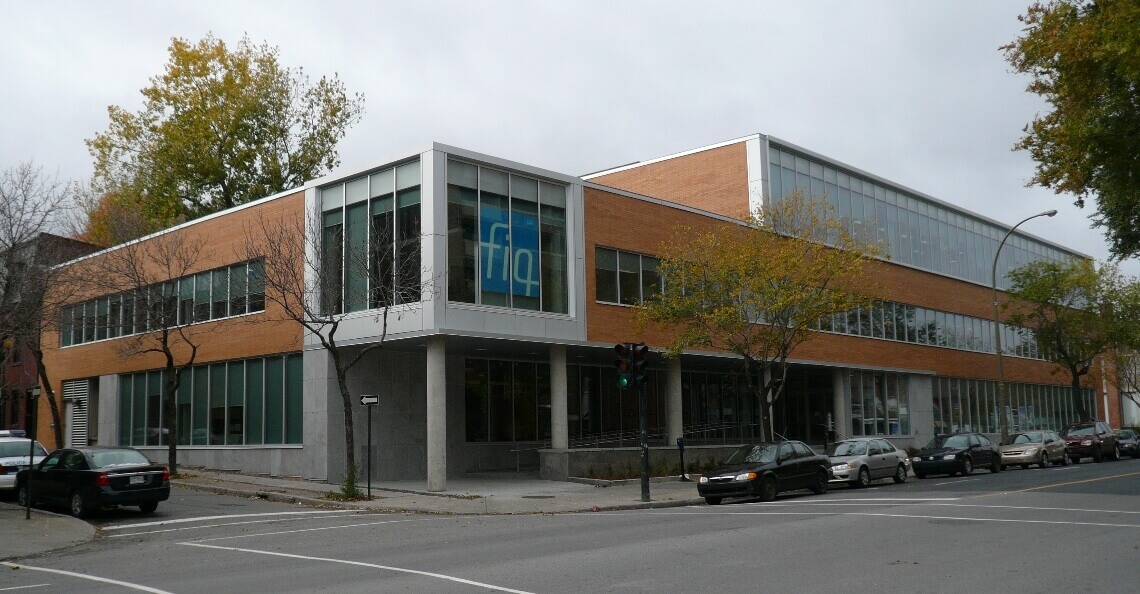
[(1081, 430), (760, 453), (847, 448), (948, 441), (1030, 437), (12, 449), (111, 458), (1127, 434)]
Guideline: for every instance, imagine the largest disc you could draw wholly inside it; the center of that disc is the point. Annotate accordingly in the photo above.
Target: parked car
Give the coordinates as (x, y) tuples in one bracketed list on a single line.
[(13, 433), (1129, 443), (14, 458), (859, 461), (1033, 447), (1093, 439), (764, 470), (957, 452), (85, 479)]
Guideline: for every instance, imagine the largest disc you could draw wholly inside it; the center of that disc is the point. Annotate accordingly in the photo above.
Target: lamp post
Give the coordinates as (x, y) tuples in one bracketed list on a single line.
[(33, 402), (1003, 421)]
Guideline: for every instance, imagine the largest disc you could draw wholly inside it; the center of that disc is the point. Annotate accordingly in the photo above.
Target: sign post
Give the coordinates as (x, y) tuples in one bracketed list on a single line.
[(369, 400)]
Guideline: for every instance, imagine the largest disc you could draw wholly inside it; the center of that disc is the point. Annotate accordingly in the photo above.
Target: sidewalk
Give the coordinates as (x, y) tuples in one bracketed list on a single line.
[(45, 531), (505, 495)]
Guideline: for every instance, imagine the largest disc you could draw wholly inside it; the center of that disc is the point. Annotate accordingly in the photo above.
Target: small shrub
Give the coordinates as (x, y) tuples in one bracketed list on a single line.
[(590, 472)]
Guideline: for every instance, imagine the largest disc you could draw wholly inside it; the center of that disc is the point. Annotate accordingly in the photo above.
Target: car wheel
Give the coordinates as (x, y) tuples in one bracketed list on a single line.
[(708, 500), (900, 474), (148, 508), (767, 488), (1044, 463), (995, 467), (22, 496), (820, 486), (919, 475), (79, 506), (1116, 452), (864, 478), (1064, 460), (967, 467), (1024, 466), (1076, 459), (1098, 456)]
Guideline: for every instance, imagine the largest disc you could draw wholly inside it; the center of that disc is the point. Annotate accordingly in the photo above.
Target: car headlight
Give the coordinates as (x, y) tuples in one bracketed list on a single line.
[(1031, 451), (916, 459), (949, 456), (703, 480), (1086, 442), (746, 476)]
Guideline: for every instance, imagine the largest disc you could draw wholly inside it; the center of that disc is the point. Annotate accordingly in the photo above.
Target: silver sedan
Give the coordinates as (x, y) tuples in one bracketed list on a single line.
[(859, 461)]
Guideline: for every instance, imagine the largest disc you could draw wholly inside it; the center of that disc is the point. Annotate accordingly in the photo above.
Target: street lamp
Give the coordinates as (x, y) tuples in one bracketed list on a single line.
[(1004, 418)]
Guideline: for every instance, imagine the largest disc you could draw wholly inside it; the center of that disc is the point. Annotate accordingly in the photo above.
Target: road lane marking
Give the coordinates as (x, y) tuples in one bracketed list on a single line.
[(23, 587), (362, 564), (84, 576), (304, 530), (205, 526), (914, 516), (208, 518), (939, 503), (956, 482), (1091, 480), (887, 499)]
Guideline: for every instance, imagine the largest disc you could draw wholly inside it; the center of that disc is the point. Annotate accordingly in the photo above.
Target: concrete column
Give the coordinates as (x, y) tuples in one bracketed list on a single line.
[(839, 405), (436, 413), (673, 401), (559, 438)]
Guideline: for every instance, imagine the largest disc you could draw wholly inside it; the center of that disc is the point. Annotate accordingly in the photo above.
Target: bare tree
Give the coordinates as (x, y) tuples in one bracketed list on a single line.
[(33, 202), (308, 285), (144, 277)]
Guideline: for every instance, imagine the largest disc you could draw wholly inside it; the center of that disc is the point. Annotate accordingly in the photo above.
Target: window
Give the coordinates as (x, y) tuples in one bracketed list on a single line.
[(506, 239), (625, 277)]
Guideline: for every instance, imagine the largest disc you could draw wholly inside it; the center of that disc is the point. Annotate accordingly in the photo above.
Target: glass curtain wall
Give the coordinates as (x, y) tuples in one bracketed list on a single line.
[(370, 240), (248, 402), (507, 243), (880, 404), (916, 231), (972, 405)]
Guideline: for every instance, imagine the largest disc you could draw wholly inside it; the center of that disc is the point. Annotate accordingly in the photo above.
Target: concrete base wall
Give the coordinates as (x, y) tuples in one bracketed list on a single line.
[(273, 461), (559, 465)]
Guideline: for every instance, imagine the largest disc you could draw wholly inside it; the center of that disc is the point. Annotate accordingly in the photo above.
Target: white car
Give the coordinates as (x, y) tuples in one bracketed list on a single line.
[(14, 458)]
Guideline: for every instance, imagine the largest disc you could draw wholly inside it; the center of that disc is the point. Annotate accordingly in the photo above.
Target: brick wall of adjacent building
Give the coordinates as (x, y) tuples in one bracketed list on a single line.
[(715, 180), (239, 337)]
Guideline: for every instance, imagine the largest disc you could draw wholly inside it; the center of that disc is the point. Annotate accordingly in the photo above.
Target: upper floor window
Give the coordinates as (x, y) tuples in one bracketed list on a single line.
[(625, 277), (506, 239), (370, 240), (210, 295)]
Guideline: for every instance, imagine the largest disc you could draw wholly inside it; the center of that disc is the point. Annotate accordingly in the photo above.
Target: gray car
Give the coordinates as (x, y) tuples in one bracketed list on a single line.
[(859, 461)]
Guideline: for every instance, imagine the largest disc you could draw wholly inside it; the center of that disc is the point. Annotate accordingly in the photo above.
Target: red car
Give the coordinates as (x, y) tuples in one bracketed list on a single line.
[(1090, 439)]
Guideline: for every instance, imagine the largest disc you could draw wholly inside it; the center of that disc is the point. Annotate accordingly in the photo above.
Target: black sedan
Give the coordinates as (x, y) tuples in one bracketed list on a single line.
[(85, 479), (764, 469), (1129, 443), (959, 452)]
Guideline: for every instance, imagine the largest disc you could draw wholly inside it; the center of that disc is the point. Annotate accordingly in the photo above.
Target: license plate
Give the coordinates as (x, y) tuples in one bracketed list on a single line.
[(138, 480)]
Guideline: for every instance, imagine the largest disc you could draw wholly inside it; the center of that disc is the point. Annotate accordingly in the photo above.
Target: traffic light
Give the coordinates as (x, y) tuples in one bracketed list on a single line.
[(640, 361), (624, 364)]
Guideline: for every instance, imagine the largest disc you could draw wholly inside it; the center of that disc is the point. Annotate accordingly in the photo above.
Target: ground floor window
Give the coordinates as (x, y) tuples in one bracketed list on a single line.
[(972, 405), (717, 406), (506, 400), (600, 414), (880, 404), (251, 401)]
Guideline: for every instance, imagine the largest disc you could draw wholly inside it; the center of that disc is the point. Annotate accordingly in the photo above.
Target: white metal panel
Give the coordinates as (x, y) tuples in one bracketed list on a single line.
[(75, 393)]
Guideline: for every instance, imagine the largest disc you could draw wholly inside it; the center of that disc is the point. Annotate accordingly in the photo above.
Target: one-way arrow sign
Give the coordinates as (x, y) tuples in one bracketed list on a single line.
[(368, 399)]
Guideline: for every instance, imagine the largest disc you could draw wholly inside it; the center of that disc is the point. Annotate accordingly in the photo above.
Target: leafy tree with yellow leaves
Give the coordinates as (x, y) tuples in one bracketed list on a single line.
[(219, 128), (759, 289)]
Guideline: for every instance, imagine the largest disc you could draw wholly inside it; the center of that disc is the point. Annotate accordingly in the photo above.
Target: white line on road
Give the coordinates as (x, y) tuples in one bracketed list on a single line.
[(941, 503), (884, 499), (209, 518), (956, 482), (914, 516), (304, 530), (205, 526), (84, 576), (362, 564), (23, 587)]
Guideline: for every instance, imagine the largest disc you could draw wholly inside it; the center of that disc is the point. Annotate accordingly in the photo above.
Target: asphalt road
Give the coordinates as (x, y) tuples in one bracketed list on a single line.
[(1059, 529)]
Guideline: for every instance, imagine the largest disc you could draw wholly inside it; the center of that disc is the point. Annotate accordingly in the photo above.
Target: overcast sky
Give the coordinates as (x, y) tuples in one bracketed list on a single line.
[(916, 92)]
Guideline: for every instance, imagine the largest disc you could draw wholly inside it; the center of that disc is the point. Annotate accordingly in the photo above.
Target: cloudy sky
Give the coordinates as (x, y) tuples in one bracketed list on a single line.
[(916, 92)]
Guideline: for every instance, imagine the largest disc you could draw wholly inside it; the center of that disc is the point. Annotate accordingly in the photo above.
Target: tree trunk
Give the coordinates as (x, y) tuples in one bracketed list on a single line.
[(56, 418), (1078, 402), (170, 420), (349, 438)]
